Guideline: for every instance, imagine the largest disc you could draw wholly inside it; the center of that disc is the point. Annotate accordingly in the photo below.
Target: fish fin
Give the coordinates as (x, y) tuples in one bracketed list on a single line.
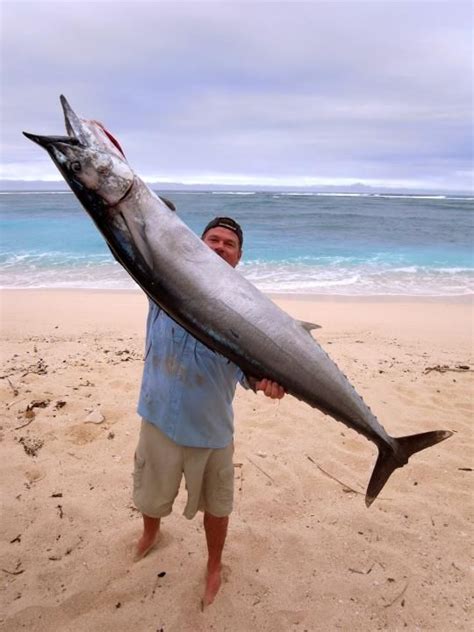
[(168, 203), (389, 461), (138, 239), (308, 326)]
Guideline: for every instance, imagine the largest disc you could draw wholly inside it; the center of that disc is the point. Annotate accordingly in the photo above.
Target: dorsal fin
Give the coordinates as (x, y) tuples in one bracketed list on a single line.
[(308, 326)]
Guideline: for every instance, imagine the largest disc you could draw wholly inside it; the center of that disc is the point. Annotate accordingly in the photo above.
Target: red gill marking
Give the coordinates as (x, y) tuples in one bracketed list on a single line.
[(111, 138)]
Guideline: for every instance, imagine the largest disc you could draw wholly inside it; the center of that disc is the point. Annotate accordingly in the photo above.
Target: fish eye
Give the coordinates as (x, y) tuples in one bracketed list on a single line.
[(75, 166)]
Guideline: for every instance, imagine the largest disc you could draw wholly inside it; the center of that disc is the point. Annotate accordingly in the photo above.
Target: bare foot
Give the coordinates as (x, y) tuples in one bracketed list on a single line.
[(144, 545), (213, 583), (151, 529)]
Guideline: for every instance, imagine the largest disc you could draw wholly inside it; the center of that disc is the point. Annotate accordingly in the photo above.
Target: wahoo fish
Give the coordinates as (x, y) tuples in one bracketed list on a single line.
[(208, 297)]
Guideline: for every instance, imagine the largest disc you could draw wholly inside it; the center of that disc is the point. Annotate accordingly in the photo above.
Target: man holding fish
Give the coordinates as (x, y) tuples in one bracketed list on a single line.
[(222, 328), (187, 428)]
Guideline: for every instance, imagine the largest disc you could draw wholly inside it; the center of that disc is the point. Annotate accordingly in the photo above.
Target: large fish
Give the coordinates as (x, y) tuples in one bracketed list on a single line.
[(210, 299)]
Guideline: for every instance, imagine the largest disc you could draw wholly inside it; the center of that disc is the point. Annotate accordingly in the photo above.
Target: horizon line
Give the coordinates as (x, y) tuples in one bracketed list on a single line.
[(253, 186)]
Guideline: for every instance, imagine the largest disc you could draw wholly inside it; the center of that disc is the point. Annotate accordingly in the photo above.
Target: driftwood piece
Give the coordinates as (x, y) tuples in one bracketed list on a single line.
[(387, 605), (444, 368), (346, 488), (260, 469)]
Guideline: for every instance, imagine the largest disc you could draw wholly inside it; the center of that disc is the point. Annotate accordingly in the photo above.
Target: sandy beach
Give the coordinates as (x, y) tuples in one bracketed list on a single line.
[(303, 552)]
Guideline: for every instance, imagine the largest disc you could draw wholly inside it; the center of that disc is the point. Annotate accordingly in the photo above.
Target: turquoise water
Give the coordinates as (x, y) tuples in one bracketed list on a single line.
[(344, 244)]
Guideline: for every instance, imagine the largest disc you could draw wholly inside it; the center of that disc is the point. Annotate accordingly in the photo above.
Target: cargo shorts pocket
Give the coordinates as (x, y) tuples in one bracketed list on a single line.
[(224, 491), (138, 469)]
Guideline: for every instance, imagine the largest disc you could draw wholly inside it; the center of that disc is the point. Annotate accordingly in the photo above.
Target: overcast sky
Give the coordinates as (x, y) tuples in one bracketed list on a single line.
[(377, 92)]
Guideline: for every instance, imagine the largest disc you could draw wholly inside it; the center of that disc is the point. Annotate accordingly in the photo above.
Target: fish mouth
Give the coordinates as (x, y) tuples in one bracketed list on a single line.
[(76, 132), (48, 141), (74, 126), (80, 133), (59, 147)]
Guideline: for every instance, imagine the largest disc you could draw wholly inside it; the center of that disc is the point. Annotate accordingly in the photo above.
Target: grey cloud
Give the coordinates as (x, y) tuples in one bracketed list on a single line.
[(348, 89)]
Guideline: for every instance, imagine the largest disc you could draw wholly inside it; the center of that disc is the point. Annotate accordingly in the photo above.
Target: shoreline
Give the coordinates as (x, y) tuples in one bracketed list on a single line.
[(275, 296), (74, 311)]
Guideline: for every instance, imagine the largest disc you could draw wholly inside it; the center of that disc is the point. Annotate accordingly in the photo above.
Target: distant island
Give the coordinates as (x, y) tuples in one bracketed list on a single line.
[(60, 185)]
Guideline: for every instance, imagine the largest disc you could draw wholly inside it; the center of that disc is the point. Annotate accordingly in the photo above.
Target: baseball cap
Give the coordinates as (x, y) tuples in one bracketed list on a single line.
[(226, 222)]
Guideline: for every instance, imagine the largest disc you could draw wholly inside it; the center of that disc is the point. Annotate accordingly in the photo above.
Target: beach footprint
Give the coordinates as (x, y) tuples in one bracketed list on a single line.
[(81, 434)]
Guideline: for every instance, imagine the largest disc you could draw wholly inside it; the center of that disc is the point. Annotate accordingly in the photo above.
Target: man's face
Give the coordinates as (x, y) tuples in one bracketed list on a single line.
[(225, 243)]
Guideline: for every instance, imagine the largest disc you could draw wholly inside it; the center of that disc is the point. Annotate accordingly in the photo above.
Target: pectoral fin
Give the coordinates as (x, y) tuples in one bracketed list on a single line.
[(137, 237), (168, 203)]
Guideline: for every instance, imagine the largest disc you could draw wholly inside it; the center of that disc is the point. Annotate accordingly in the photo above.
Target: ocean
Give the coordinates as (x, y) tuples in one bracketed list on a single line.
[(294, 243)]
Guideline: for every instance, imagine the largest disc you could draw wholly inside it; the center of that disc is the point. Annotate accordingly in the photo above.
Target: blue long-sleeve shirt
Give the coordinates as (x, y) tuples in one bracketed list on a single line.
[(187, 390)]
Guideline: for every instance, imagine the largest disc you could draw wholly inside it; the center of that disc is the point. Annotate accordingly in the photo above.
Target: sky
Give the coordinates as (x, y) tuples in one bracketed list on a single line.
[(322, 93)]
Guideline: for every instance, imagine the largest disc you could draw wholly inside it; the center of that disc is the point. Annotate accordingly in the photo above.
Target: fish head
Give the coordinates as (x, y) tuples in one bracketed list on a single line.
[(90, 160), (97, 177)]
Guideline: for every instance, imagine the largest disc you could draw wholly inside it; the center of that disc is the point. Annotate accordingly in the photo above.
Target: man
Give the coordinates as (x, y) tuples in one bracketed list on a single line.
[(187, 428)]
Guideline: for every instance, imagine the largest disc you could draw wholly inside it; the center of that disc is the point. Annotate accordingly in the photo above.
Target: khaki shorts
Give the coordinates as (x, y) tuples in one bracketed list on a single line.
[(159, 466)]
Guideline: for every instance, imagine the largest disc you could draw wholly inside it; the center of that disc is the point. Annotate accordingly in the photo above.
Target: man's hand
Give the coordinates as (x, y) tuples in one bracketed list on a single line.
[(270, 389)]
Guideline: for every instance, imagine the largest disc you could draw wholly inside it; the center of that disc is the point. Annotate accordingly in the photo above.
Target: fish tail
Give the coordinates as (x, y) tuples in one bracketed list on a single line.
[(389, 460)]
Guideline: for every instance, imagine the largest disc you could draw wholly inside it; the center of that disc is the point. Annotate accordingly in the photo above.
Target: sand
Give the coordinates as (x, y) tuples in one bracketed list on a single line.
[(303, 551)]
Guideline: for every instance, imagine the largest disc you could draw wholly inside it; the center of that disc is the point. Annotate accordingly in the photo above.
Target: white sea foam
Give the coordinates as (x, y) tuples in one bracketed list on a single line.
[(361, 280), (409, 197), (386, 196), (271, 278)]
